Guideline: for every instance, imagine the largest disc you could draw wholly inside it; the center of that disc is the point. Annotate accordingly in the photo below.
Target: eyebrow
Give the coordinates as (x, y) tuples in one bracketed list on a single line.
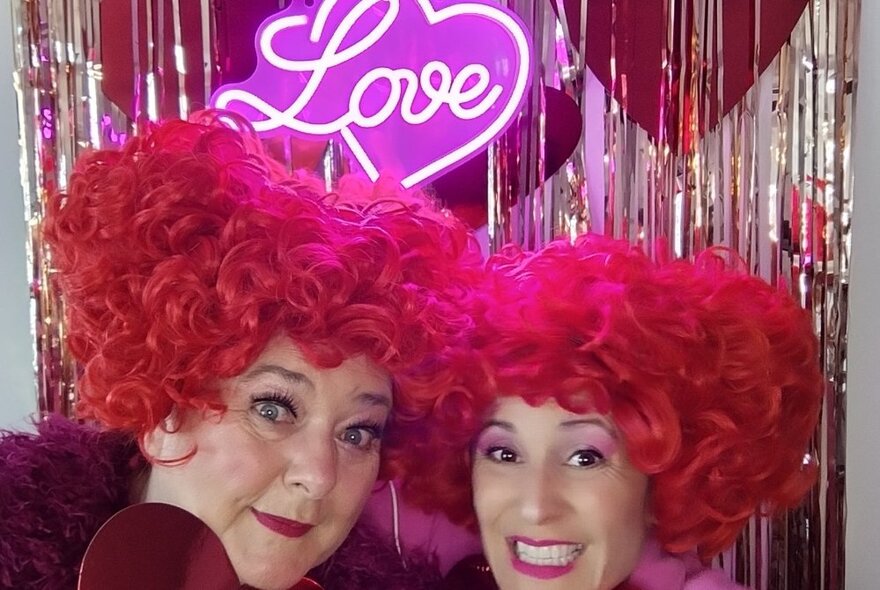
[(570, 424), (292, 377), (368, 398), (509, 427), (588, 421)]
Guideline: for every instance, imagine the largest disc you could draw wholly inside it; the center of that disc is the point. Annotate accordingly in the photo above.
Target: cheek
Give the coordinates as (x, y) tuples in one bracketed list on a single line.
[(240, 457), (616, 517), (629, 503), (233, 467), (491, 494), (354, 484)]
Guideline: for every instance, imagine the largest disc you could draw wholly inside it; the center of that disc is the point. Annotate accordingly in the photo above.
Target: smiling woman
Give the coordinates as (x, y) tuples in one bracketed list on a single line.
[(536, 466), (620, 420), (246, 340)]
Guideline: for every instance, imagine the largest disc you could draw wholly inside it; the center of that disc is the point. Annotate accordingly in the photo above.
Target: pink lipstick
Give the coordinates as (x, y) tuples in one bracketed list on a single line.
[(282, 526)]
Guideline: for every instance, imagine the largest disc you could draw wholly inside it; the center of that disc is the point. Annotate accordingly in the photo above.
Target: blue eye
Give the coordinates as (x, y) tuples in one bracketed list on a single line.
[(502, 455), (275, 408), (362, 436), (585, 458)]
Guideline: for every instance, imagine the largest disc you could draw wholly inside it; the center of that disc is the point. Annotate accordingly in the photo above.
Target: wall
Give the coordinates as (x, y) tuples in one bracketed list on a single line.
[(863, 401), (17, 396)]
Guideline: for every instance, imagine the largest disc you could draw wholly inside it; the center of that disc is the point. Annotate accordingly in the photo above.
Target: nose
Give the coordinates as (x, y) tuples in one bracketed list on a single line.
[(312, 465), (541, 499)]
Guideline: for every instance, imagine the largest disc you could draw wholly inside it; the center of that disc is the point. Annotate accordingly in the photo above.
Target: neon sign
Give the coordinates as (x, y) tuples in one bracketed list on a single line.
[(411, 88)]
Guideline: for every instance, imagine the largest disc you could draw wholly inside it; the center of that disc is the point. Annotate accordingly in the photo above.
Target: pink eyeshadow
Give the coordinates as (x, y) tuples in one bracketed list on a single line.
[(590, 436), (490, 439)]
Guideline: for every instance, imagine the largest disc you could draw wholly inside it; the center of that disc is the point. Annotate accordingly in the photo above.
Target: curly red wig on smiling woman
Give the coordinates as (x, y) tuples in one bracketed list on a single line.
[(710, 376), (181, 255)]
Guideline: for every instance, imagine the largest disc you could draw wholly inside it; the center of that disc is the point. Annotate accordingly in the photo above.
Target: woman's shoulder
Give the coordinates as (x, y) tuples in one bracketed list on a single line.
[(700, 577), (58, 485), (711, 579), (659, 570)]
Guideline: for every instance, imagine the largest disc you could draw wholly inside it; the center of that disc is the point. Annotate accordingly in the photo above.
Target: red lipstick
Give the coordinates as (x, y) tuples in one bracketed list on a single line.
[(282, 526)]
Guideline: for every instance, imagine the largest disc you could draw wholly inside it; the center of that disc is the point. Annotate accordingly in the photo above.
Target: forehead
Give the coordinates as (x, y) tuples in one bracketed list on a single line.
[(284, 363), (516, 413)]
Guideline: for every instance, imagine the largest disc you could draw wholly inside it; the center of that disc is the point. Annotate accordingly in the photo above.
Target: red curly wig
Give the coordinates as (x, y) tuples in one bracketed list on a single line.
[(710, 375), (182, 254)]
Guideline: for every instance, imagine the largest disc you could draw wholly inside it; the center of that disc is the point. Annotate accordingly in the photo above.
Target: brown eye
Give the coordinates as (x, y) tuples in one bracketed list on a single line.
[(502, 455), (586, 458)]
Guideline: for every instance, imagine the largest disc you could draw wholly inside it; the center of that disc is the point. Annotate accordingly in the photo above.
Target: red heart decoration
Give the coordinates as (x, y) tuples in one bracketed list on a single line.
[(464, 188), (235, 23), (159, 547), (640, 37)]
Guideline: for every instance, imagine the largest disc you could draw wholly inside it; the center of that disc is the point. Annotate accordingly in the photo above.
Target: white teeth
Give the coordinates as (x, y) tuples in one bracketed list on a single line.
[(548, 555)]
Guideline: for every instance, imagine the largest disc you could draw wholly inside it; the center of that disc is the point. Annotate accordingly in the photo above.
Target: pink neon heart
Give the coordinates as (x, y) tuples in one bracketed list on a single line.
[(427, 47)]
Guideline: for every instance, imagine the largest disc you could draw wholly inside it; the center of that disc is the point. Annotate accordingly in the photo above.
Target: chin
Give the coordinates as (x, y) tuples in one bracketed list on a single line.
[(273, 584), (271, 578)]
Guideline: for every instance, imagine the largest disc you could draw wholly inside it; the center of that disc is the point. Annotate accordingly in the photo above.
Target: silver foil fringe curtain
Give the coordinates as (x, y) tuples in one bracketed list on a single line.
[(770, 178)]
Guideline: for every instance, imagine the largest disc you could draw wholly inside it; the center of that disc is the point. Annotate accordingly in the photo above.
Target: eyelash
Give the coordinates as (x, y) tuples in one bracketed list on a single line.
[(375, 431), (490, 453), (281, 399), (598, 458)]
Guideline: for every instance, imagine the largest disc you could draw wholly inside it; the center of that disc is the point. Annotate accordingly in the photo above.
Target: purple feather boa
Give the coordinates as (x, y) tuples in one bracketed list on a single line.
[(57, 487), (60, 484)]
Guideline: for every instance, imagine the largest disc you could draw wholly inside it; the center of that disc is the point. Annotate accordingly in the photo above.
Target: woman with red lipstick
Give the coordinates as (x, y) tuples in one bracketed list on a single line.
[(245, 341), (620, 420)]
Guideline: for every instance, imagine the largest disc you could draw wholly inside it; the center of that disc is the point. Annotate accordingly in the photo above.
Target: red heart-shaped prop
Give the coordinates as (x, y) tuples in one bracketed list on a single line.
[(472, 573), (159, 547), (639, 33)]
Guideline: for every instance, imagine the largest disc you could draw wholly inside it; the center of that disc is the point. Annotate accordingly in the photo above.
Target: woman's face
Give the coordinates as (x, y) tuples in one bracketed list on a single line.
[(282, 476), (558, 503)]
